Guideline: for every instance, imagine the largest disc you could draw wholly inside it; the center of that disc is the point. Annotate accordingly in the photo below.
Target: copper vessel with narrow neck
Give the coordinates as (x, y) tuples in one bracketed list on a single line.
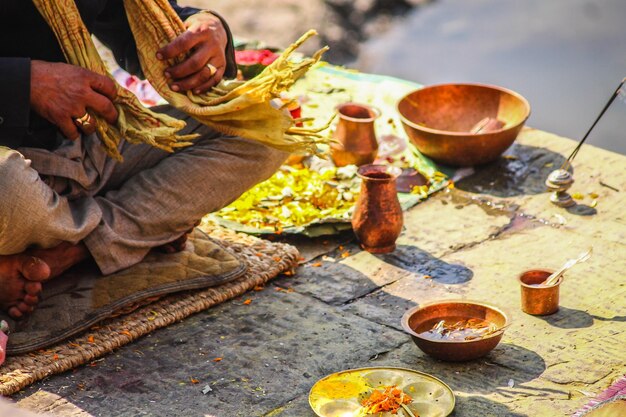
[(377, 218), (355, 135)]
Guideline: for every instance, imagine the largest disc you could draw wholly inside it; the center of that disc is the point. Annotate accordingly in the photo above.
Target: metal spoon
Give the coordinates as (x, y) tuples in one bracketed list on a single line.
[(496, 331), (552, 279)]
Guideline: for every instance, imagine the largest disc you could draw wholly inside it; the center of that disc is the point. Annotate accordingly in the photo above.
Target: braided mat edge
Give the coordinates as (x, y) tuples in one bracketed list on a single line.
[(265, 260)]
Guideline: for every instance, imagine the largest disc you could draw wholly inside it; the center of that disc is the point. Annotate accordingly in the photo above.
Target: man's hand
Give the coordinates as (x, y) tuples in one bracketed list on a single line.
[(205, 42), (62, 93)]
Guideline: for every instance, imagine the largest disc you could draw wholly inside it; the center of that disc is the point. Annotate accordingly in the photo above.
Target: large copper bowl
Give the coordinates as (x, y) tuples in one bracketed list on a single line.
[(438, 120), (455, 351)]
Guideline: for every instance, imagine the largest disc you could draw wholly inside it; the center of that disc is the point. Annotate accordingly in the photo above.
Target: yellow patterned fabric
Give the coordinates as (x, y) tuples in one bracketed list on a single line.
[(241, 108)]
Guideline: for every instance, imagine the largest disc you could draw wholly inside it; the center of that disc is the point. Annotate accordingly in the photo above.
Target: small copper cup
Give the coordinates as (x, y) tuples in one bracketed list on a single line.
[(355, 135), (539, 300)]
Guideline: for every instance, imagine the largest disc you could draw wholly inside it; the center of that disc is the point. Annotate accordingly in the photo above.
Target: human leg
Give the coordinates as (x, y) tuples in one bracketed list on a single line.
[(116, 212), (31, 213), (158, 204)]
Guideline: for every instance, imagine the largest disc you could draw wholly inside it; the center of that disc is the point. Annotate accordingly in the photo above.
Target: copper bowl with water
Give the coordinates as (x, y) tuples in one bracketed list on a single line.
[(420, 319), (440, 119)]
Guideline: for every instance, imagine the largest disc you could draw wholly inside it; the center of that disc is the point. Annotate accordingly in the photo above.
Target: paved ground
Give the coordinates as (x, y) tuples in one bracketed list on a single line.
[(473, 241)]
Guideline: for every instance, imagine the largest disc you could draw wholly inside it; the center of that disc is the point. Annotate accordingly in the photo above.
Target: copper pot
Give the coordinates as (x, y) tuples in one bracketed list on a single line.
[(377, 218), (355, 135)]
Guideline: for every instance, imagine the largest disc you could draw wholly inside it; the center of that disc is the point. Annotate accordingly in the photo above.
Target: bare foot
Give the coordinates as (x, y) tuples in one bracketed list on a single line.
[(21, 275), (177, 245), (20, 280)]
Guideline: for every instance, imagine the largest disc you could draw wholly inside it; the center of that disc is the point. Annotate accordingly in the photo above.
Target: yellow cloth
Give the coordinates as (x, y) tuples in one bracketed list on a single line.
[(233, 107)]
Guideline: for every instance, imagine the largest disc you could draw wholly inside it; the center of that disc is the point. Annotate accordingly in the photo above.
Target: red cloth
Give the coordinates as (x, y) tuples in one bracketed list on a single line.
[(3, 346), (618, 388)]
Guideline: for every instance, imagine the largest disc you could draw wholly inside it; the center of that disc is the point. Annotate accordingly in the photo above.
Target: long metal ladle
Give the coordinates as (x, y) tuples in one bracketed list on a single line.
[(554, 277)]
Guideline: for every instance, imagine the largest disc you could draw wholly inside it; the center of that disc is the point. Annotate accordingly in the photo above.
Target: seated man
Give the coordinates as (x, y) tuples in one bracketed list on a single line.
[(62, 199)]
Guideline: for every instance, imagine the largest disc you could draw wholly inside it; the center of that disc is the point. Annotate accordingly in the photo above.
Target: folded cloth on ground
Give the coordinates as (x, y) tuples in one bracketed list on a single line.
[(82, 297), (610, 402), (615, 407)]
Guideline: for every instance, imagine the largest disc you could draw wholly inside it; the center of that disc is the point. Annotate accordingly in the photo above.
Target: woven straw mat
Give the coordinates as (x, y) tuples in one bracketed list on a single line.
[(264, 259)]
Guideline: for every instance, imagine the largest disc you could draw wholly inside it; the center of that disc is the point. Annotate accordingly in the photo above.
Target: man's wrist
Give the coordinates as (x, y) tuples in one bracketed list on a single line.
[(209, 18)]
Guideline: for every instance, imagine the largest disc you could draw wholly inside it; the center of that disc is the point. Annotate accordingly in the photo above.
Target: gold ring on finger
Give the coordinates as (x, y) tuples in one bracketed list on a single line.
[(84, 120), (212, 69)]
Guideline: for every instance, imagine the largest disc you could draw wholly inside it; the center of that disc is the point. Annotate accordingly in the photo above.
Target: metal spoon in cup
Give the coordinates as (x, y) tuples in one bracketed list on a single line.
[(554, 277)]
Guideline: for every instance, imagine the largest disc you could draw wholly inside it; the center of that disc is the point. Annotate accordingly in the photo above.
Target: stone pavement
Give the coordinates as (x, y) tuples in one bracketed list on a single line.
[(339, 313)]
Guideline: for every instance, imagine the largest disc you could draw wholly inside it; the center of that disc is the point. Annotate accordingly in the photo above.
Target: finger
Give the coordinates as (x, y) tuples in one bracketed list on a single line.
[(102, 106), (104, 85), (194, 81), (212, 82), (181, 45), (201, 81), (212, 69), (191, 65), (203, 88), (31, 300), (88, 127), (69, 128)]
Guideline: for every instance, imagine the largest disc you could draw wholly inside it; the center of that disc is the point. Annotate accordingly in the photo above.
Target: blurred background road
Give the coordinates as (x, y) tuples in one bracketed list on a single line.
[(565, 56)]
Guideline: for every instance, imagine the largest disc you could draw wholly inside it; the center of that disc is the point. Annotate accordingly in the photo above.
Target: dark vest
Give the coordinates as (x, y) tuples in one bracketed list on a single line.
[(24, 35)]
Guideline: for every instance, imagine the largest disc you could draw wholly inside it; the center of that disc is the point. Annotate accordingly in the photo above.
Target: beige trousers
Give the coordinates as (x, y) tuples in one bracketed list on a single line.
[(122, 210)]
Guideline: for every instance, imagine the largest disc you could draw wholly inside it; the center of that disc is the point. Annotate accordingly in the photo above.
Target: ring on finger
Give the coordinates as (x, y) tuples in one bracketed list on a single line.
[(84, 120), (211, 68)]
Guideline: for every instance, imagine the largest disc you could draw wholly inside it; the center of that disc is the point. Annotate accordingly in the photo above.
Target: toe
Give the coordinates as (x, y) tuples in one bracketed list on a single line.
[(15, 313), (31, 300), (25, 308), (33, 288), (35, 269)]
